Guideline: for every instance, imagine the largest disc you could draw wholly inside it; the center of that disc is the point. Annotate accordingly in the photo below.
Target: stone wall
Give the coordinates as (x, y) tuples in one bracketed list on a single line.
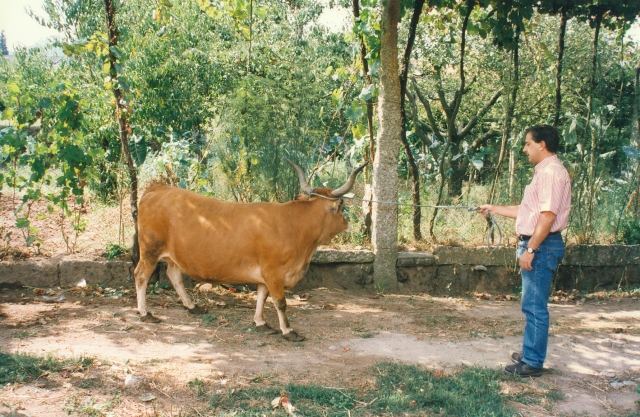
[(445, 271)]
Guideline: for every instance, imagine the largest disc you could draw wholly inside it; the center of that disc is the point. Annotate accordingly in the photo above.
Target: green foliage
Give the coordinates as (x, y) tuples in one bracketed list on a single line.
[(115, 250), (19, 367), (58, 162), (630, 231), (218, 93)]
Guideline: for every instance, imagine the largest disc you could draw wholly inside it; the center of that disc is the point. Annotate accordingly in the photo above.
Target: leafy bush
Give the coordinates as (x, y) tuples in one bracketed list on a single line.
[(630, 231), (115, 250)]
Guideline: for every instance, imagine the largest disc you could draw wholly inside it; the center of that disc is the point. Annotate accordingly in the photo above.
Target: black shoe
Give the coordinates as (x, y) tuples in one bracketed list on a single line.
[(523, 369), (516, 357)]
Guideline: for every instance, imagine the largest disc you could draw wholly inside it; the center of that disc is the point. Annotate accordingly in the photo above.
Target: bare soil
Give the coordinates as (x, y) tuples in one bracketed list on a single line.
[(591, 344)]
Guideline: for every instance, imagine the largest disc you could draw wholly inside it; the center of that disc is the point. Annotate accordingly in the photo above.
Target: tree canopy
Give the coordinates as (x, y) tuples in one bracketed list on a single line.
[(214, 96)]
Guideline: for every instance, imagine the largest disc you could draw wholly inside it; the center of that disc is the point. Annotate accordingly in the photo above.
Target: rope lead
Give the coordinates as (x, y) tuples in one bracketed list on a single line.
[(494, 223)]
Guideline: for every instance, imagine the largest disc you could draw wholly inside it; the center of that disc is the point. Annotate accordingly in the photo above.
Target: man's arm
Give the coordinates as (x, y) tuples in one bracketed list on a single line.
[(506, 211)]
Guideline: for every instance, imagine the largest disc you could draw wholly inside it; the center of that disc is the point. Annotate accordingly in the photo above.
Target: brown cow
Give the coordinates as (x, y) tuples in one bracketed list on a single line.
[(268, 244)]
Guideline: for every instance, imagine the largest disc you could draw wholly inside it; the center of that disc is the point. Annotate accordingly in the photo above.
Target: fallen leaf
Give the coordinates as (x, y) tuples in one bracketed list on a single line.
[(412, 403), (618, 330), (375, 297), (301, 297), (346, 349)]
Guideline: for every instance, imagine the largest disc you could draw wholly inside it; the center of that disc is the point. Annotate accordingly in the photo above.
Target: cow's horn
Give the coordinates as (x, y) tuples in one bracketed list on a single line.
[(339, 192), (304, 185)]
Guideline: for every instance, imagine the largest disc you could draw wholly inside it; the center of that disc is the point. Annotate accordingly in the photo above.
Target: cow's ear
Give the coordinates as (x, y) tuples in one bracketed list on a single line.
[(335, 207)]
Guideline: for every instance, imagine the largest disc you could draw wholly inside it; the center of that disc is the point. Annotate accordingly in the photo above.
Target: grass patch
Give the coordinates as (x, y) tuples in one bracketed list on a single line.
[(363, 332), (399, 390), (19, 367), (23, 334), (89, 407), (443, 320)]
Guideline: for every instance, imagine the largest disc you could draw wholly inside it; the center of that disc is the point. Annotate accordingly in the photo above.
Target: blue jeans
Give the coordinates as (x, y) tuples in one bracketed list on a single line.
[(536, 288)]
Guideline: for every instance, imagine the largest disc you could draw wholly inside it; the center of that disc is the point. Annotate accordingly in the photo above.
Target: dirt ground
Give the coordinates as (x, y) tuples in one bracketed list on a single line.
[(144, 368)]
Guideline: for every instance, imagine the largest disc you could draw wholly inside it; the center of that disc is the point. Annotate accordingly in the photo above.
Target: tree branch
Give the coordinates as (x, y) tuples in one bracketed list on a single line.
[(472, 123), (427, 107)]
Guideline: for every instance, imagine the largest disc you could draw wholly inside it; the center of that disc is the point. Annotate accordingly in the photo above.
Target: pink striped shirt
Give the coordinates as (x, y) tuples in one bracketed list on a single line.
[(550, 190)]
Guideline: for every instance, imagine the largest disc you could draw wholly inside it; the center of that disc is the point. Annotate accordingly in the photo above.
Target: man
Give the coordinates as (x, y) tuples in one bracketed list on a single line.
[(541, 216)]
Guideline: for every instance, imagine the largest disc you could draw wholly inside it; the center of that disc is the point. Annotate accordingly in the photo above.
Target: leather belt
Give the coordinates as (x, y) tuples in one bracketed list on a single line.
[(525, 237)]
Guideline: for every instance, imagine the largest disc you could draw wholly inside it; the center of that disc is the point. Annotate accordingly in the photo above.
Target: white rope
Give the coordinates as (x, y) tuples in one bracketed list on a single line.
[(494, 223)]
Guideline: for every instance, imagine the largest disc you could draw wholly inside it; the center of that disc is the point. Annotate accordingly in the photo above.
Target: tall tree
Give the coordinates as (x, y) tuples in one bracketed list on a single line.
[(413, 167), (385, 169), (121, 110)]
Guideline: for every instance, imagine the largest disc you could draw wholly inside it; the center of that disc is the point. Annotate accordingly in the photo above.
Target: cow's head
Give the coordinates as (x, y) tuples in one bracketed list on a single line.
[(331, 201)]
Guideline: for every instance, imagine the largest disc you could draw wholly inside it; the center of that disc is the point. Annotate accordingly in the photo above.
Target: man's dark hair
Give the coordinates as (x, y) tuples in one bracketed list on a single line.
[(545, 133)]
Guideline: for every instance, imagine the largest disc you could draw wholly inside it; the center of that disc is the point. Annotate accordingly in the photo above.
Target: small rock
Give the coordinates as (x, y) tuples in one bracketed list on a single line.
[(205, 288), (617, 385), (147, 397), (132, 381), (630, 383), (607, 374)]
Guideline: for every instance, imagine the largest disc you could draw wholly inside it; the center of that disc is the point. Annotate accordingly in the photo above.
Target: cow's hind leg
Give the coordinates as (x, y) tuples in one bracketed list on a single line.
[(279, 300), (143, 271), (175, 276), (258, 318)]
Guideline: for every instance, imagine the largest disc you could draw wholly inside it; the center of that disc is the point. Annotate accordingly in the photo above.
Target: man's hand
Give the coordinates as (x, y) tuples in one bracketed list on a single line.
[(507, 211), (485, 209), (525, 260)]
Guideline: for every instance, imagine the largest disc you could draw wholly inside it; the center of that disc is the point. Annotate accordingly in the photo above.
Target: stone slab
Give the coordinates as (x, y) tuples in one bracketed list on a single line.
[(40, 273)]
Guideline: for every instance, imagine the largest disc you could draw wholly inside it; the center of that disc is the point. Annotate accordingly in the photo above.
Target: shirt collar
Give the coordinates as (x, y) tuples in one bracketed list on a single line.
[(546, 161)]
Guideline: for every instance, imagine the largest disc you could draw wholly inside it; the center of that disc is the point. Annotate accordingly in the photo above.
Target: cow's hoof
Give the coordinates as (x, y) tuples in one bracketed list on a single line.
[(197, 310), (150, 318), (266, 329), (293, 337)]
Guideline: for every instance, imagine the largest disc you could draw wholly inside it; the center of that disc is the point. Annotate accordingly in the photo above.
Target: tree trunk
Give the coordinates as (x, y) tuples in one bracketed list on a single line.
[(458, 174), (413, 167), (121, 118), (508, 118), (561, 33), (512, 176), (592, 133), (385, 173)]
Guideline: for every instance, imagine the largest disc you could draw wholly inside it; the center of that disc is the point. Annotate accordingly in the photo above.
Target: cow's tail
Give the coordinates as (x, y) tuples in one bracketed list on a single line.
[(135, 250)]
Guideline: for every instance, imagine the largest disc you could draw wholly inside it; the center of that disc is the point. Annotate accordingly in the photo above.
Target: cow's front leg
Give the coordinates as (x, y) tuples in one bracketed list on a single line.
[(258, 318), (279, 300), (175, 276)]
